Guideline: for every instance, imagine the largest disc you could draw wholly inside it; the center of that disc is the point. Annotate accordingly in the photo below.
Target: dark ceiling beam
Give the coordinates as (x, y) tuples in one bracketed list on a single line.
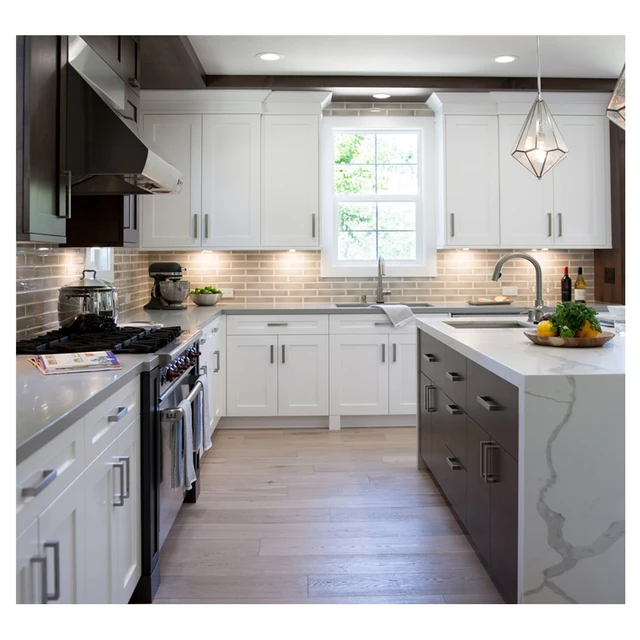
[(430, 83), (169, 62)]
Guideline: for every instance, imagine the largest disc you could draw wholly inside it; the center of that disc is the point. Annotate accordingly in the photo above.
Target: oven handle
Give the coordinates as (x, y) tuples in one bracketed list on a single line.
[(176, 413)]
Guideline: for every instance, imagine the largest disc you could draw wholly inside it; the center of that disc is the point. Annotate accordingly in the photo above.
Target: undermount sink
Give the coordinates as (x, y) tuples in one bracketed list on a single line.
[(498, 324), (363, 305)]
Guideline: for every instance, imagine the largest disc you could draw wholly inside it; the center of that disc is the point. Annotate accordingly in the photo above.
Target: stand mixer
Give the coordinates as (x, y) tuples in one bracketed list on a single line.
[(169, 289)]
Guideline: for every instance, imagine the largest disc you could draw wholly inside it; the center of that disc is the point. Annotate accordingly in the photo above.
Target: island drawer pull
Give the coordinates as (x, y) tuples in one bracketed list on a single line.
[(454, 464), (48, 476), (488, 404), (483, 473), (453, 376), (122, 412), (430, 407), (430, 357), (454, 410), (488, 476)]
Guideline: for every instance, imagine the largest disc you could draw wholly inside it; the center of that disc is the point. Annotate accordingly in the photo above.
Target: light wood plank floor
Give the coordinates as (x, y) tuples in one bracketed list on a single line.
[(317, 516)]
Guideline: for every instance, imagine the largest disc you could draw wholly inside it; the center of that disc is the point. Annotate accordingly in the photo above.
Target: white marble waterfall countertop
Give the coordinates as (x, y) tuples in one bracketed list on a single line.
[(511, 355)]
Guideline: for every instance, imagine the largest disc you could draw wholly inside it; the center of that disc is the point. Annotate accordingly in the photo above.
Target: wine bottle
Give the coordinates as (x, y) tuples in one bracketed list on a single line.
[(565, 286), (581, 287)]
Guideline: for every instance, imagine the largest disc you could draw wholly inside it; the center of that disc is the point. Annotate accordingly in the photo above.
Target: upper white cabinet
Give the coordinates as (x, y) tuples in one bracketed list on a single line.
[(230, 180), (570, 205), (471, 204), (174, 220), (290, 157)]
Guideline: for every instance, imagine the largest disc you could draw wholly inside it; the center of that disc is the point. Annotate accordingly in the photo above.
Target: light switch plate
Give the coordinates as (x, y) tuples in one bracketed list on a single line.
[(227, 293), (509, 291)]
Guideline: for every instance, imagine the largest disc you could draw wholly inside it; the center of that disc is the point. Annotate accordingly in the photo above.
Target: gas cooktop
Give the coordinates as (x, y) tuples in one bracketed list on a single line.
[(133, 340)]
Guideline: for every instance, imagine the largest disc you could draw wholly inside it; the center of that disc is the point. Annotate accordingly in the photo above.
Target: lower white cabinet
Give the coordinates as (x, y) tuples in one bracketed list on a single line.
[(277, 375), (213, 358), (403, 376)]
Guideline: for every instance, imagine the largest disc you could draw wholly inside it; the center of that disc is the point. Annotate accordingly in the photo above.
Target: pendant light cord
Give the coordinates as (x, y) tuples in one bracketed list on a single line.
[(539, 85)]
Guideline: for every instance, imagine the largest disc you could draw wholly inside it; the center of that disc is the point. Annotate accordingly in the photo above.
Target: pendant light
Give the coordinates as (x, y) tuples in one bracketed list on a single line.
[(539, 146), (615, 109)]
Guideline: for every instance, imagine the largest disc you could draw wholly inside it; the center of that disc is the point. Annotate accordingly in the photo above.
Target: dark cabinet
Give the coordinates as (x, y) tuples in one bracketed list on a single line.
[(42, 184), (425, 387)]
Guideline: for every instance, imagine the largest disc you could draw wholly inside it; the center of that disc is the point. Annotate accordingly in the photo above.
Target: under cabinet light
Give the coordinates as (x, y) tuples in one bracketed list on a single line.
[(269, 56), (381, 96), (503, 59)]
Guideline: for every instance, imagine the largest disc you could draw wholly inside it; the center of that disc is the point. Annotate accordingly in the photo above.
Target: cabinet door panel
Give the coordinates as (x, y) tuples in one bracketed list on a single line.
[(359, 378), (290, 181), (478, 491), (424, 438), (28, 569), (580, 181), (303, 375), (504, 521), (62, 524), (402, 374), (526, 203), (252, 376), (471, 175), (231, 180), (169, 220)]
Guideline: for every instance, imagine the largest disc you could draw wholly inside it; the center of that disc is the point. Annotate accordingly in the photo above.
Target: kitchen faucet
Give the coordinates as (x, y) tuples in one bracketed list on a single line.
[(539, 302), (380, 292)]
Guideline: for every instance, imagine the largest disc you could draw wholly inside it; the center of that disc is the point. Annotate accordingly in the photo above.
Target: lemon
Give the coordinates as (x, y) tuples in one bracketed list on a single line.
[(546, 329), (586, 331)]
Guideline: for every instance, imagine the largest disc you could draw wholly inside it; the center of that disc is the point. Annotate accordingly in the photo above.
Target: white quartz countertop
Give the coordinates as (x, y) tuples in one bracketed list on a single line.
[(511, 355)]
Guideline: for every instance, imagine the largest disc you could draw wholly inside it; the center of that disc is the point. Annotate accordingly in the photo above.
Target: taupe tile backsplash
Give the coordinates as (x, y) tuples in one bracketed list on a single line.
[(282, 277)]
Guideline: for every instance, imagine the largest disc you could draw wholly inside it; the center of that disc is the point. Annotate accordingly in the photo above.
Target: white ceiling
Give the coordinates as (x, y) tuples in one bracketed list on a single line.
[(561, 56)]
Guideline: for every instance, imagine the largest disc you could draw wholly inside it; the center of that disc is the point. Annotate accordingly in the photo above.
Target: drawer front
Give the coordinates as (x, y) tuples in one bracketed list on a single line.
[(367, 323), (48, 472), (450, 474), (110, 418), (493, 403), (432, 358), (454, 377), (299, 324)]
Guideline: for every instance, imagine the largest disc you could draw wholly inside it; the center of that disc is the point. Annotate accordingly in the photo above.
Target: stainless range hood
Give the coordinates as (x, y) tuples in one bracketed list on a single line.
[(105, 154)]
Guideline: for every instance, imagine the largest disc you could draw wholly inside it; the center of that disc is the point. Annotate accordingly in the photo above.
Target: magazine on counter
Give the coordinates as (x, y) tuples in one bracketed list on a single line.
[(75, 362)]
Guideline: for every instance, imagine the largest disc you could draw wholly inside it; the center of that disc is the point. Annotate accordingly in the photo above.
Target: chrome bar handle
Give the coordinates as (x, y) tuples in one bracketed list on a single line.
[(271, 353), (559, 225), (118, 500), (382, 324), (549, 224), (430, 357), (395, 352), (454, 410), (122, 412), (206, 225), (483, 444), (55, 545), (195, 225), (453, 464), (48, 476), (217, 355), (283, 354), (384, 353), (175, 414), (430, 407), (277, 324), (68, 194), (453, 376), (42, 561), (313, 225), (489, 476), (127, 462), (453, 225), (426, 397), (489, 405)]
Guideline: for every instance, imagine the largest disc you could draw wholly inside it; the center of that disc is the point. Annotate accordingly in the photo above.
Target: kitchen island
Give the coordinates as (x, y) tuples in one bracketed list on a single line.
[(561, 520)]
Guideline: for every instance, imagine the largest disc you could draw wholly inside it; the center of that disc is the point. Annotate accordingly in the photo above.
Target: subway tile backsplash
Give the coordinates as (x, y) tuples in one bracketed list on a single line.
[(282, 277)]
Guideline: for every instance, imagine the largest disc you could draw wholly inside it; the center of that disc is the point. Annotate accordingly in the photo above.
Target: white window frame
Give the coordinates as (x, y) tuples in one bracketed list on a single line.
[(100, 259), (426, 228)]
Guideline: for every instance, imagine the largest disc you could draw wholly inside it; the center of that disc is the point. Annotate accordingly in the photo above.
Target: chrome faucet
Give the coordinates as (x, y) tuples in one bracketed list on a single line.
[(380, 292), (539, 302)]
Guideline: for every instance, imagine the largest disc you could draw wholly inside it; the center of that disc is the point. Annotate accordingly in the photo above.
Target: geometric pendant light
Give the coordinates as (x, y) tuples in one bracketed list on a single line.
[(539, 146), (615, 110)]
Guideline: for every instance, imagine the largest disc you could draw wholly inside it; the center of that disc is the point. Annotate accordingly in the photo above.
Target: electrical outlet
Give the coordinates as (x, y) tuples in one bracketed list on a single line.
[(509, 291), (227, 293)]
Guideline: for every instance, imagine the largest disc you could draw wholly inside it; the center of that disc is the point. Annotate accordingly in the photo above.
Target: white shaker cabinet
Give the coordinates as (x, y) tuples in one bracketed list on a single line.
[(230, 181), (403, 374), (213, 347), (359, 374), (303, 375), (173, 221), (290, 178), (470, 207)]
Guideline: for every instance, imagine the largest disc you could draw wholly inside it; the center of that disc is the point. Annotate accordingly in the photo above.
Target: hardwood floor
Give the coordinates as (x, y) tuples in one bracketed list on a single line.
[(313, 516)]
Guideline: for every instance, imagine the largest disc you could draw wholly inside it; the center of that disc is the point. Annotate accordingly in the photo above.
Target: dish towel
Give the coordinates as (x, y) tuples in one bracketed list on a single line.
[(187, 427), (175, 444), (398, 314), (203, 420)]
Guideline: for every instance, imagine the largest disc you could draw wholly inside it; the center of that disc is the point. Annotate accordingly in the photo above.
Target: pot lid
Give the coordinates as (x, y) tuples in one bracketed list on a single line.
[(91, 283)]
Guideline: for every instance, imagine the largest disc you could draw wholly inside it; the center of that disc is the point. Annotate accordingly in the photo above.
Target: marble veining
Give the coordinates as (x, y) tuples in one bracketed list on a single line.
[(570, 554)]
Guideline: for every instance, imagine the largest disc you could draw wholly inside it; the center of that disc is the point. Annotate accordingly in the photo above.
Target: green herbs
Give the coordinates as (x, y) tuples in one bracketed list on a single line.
[(570, 317)]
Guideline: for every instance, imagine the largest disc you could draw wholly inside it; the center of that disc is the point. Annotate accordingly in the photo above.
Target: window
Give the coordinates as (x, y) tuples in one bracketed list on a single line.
[(377, 196)]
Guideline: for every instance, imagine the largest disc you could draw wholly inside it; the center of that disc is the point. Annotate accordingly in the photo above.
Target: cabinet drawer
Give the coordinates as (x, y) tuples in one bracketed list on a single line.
[(366, 323), (110, 418), (454, 377), (299, 324), (432, 357), (450, 474), (493, 403), (48, 472)]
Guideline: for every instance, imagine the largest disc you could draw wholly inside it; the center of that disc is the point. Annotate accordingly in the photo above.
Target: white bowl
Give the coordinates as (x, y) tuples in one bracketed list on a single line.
[(205, 299)]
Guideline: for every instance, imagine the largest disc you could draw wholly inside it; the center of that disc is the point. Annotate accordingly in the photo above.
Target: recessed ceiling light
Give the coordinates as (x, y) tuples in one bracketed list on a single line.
[(381, 96), (504, 59), (270, 56)]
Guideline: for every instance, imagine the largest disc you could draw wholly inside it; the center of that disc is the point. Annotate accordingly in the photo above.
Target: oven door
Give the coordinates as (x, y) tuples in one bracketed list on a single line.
[(173, 451)]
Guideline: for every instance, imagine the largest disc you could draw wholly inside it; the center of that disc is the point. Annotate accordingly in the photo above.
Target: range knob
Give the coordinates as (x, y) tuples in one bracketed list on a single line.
[(172, 373)]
